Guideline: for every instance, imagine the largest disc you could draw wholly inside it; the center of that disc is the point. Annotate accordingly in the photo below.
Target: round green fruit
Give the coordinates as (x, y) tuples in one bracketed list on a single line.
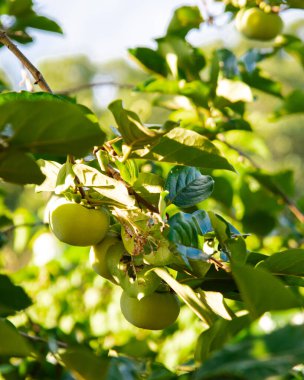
[(116, 264), (154, 312), (77, 225), (143, 284), (258, 25), (99, 256)]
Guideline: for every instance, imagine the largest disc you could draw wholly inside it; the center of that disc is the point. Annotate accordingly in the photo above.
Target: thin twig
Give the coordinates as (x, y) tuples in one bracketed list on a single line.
[(275, 190), (116, 175), (38, 339), (11, 228), (5, 40), (95, 84)]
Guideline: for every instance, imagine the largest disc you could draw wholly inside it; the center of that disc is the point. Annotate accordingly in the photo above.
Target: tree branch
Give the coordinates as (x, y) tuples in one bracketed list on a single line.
[(4, 39), (276, 190), (38, 339), (95, 84)]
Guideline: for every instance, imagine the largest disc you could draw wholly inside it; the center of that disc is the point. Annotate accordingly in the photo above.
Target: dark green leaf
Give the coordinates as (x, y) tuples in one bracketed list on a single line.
[(38, 22), (84, 364), (18, 167), (286, 262), (150, 59), (262, 292), (218, 335), (185, 147), (12, 298), (237, 249), (257, 357), (293, 103), (47, 124), (12, 343), (262, 83), (187, 186)]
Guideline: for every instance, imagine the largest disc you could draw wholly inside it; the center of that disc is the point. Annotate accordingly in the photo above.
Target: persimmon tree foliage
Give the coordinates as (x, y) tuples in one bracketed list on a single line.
[(175, 214)]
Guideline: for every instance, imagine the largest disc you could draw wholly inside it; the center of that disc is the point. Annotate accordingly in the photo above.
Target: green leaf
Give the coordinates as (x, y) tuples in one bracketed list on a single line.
[(180, 146), (183, 230), (149, 187), (198, 305), (278, 182), (195, 90), (18, 167), (237, 249), (227, 63), (258, 357), (254, 79), (187, 186), (104, 185), (47, 124), (184, 61), (12, 298), (262, 292), (84, 364), (12, 343), (289, 262), (293, 103), (150, 59), (221, 228), (218, 335), (134, 133), (184, 19), (38, 22), (51, 170)]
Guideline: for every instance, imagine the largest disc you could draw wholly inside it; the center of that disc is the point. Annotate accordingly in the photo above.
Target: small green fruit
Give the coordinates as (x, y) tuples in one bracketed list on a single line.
[(78, 225), (258, 25), (154, 312), (143, 284)]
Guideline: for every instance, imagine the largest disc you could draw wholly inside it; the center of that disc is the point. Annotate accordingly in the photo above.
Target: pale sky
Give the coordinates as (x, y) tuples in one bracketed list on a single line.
[(105, 29)]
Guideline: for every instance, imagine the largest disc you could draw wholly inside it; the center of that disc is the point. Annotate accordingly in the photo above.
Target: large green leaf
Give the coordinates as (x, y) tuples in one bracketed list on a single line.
[(261, 291), (198, 304), (258, 357), (84, 364), (184, 147), (19, 167), (47, 124), (106, 186), (12, 343), (134, 133), (187, 186), (218, 335), (290, 262), (12, 298), (149, 187)]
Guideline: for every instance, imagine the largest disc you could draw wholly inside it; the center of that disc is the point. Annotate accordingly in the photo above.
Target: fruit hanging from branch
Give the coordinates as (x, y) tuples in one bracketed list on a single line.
[(256, 24)]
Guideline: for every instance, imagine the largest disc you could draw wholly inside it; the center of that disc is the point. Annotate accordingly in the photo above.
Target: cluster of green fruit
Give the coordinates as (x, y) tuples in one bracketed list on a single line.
[(145, 302), (259, 24)]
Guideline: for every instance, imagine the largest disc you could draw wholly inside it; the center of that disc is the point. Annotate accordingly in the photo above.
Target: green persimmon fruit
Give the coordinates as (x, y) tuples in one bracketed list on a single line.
[(99, 256), (78, 225), (143, 284), (258, 25), (154, 312), (115, 263)]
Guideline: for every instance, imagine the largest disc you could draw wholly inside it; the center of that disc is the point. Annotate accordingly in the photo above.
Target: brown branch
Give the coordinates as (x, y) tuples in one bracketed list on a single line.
[(38, 339), (5, 40), (275, 190), (116, 175), (95, 84)]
